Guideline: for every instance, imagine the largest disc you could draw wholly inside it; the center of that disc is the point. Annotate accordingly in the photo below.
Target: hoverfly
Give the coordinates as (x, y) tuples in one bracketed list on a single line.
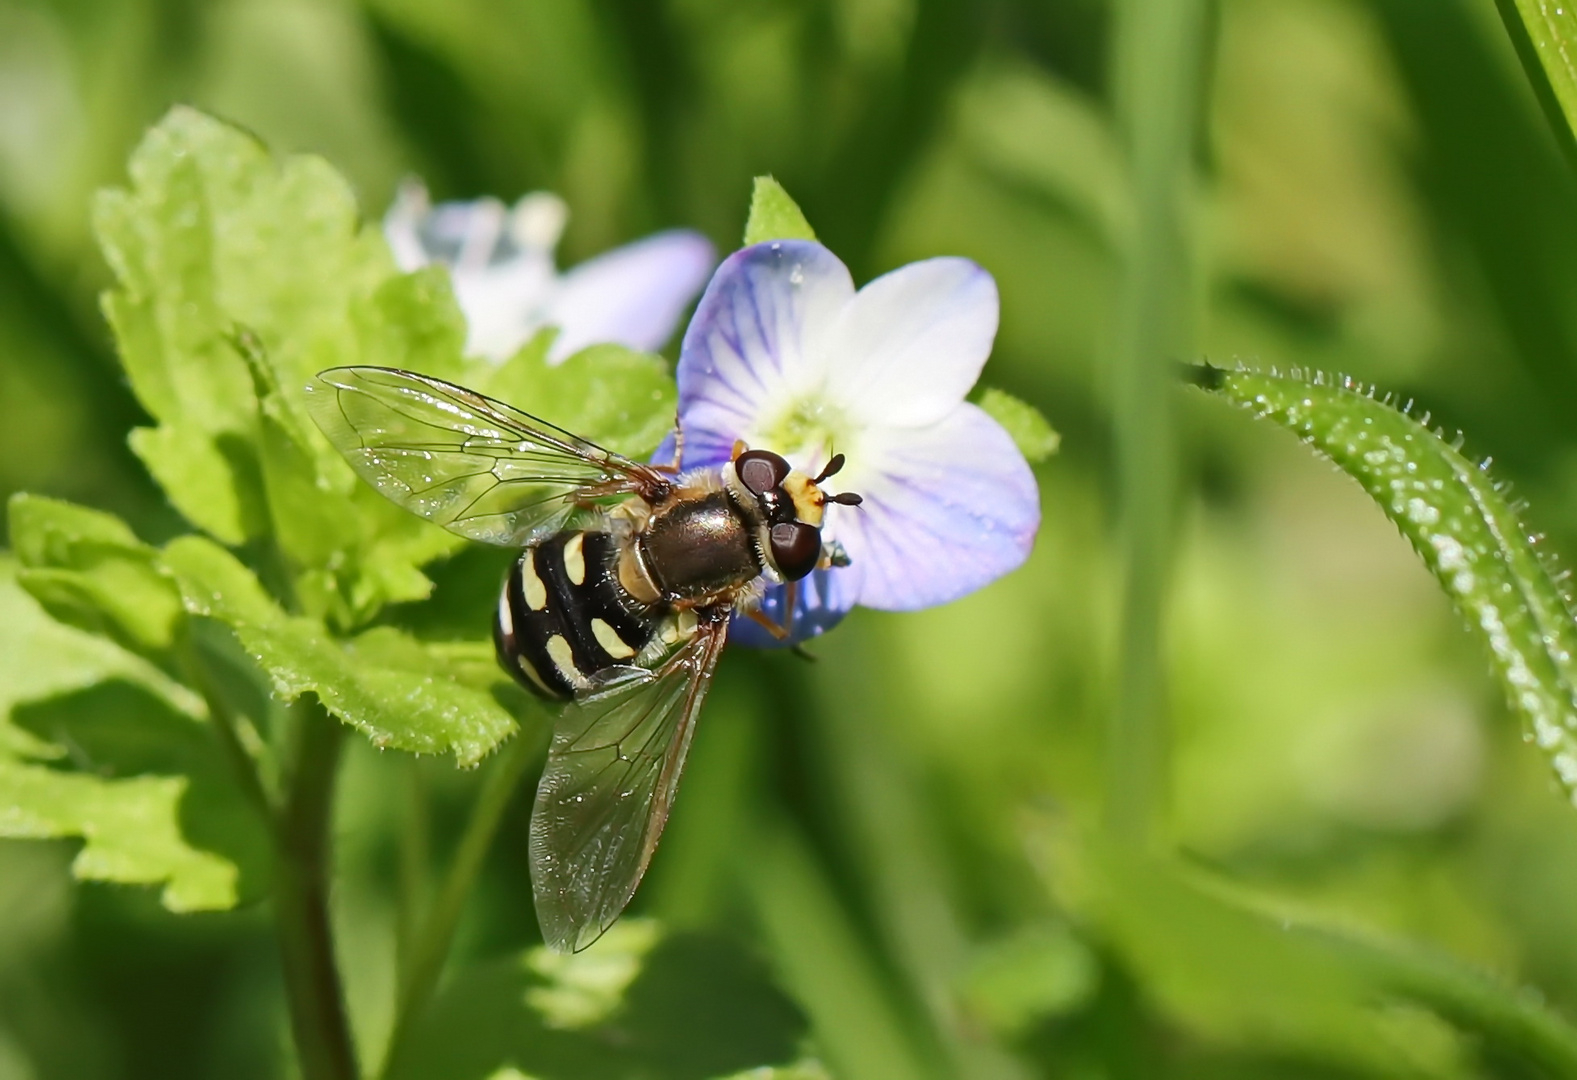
[(618, 605)]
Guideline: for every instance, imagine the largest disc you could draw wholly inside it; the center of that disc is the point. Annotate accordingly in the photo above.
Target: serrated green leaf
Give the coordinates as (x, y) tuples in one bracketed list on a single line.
[(41, 659), (152, 800), (212, 481), (239, 277), (637, 1003), (774, 215), (1035, 438), (130, 827), (583, 989), (1458, 522), (614, 396), (388, 686), (89, 570)]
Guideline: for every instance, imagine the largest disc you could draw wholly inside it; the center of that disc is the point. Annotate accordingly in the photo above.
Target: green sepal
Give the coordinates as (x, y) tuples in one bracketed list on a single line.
[(774, 215), (1034, 436)]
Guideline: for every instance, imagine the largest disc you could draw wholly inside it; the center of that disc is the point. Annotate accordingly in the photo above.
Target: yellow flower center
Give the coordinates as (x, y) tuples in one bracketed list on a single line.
[(807, 432)]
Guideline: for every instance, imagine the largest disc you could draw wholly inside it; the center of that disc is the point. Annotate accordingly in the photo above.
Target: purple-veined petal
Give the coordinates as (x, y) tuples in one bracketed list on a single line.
[(633, 295), (912, 342), (756, 340), (948, 508)]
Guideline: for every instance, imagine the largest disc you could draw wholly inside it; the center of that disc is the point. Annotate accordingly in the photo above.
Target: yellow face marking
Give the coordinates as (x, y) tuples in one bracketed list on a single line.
[(575, 559), (609, 639), (808, 499), (536, 592), (564, 659)]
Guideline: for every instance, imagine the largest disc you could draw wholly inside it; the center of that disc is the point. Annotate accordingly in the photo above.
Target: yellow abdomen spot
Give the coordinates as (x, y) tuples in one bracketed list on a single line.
[(575, 559)]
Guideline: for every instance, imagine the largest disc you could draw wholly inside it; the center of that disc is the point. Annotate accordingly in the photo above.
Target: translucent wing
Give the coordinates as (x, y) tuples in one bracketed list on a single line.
[(476, 466), (609, 782)]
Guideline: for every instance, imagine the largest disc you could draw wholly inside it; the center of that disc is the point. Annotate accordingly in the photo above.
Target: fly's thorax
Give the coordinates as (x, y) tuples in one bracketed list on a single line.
[(699, 546)]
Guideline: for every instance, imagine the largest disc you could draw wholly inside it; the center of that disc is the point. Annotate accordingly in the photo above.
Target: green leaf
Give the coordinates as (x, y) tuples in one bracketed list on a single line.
[(637, 1003), (1039, 971), (152, 800), (801, 1070), (1036, 439), (238, 278), (1206, 954), (1545, 35), (89, 570), (1458, 521), (130, 827), (42, 659), (398, 692), (352, 550), (823, 961), (774, 215), (616, 397)]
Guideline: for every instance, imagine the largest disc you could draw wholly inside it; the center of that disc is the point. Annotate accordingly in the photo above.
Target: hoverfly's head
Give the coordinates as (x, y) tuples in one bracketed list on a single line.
[(786, 507)]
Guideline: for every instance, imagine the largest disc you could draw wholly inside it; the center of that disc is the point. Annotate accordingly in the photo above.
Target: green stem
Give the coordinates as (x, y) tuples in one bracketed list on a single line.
[(301, 899), (1159, 61), (197, 674), (430, 948), (1513, 1020), (415, 860)]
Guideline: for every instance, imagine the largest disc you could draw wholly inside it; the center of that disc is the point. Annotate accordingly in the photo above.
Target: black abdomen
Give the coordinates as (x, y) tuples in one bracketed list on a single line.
[(564, 617)]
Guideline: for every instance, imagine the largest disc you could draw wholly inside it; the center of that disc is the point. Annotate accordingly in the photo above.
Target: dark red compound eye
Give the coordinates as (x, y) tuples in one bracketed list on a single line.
[(761, 470), (795, 548)]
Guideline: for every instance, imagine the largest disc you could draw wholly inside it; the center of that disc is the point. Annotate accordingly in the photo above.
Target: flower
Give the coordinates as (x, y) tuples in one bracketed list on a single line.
[(501, 262), (785, 355)]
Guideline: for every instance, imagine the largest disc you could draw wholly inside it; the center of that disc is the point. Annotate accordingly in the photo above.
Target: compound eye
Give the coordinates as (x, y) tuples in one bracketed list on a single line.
[(761, 470), (795, 548)]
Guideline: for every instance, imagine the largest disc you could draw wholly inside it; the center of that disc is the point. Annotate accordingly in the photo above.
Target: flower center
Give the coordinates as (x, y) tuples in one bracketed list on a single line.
[(808, 432)]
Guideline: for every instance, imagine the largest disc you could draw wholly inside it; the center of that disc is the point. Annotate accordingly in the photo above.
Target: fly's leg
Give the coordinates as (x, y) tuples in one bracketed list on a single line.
[(767, 623), (791, 598), (673, 468)]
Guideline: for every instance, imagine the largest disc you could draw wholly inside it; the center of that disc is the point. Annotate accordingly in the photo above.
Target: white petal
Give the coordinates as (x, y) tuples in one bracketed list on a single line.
[(504, 303), (756, 339), (633, 295), (948, 508), (411, 205), (912, 343)]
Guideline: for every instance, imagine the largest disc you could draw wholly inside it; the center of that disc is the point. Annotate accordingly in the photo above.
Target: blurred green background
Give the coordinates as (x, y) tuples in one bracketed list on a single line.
[(901, 832)]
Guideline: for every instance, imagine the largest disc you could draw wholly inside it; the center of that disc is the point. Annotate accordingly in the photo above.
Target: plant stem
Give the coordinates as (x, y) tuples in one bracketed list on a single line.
[(430, 948), (1159, 61), (301, 899), (197, 674), (1516, 1020), (415, 864)]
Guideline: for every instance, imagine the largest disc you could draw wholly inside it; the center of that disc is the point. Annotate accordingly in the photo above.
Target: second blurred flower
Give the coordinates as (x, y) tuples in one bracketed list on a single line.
[(501, 261)]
